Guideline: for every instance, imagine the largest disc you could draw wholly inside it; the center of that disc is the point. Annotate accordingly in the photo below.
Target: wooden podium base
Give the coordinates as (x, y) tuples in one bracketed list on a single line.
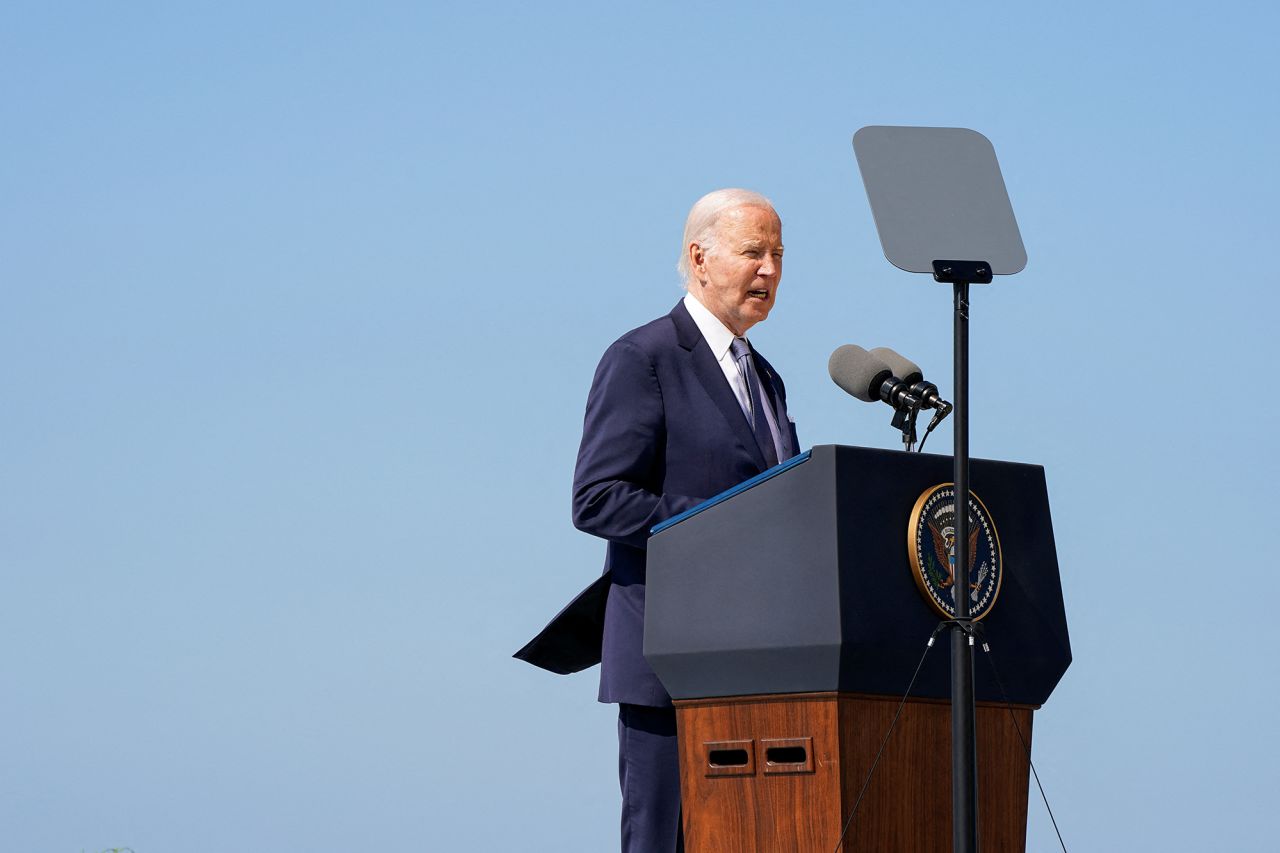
[(774, 774)]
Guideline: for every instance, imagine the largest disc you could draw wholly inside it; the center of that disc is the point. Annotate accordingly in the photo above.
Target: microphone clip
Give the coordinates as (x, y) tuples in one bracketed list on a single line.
[(904, 420)]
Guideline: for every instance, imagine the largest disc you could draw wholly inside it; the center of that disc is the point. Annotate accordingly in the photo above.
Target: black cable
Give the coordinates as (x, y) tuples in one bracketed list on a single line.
[(920, 449), (883, 743), (938, 416), (1026, 748)]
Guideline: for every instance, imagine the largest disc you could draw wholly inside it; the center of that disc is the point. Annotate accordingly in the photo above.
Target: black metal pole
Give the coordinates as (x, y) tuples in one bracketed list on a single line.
[(964, 758)]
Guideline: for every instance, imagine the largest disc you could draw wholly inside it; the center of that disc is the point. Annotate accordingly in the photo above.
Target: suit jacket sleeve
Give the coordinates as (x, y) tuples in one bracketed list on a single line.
[(618, 482)]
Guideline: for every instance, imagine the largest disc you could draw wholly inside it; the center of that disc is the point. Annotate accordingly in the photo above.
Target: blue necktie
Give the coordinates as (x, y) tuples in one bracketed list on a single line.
[(759, 424)]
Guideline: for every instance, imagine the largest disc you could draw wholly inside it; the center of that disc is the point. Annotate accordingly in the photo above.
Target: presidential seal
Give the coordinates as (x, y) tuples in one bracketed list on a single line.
[(931, 542)]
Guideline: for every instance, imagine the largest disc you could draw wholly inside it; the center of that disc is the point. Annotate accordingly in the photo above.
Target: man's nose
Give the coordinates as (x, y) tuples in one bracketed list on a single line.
[(768, 266)]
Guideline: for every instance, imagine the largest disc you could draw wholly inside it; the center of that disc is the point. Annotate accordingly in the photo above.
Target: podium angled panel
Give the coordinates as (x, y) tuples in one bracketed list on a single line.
[(743, 595)]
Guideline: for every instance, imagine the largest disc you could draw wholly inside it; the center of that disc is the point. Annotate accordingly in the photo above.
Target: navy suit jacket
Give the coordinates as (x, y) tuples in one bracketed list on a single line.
[(663, 432)]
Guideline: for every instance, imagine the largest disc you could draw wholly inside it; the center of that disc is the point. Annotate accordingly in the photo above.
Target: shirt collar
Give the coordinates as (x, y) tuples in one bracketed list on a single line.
[(715, 333)]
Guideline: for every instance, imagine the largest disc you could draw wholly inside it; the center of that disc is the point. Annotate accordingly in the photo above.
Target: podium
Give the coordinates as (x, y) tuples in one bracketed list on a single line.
[(783, 619)]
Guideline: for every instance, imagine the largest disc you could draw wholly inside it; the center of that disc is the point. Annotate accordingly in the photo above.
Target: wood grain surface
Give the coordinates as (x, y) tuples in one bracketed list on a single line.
[(803, 806)]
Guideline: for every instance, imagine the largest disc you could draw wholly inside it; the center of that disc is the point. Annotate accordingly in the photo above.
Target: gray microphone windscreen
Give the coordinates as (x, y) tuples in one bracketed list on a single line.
[(905, 369), (855, 370)]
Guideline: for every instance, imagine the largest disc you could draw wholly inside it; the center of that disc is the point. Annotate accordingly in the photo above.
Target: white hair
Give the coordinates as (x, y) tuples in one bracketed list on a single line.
[(700, 227)]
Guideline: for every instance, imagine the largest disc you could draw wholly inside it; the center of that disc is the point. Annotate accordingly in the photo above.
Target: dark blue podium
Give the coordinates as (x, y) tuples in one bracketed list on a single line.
[(783, 619)]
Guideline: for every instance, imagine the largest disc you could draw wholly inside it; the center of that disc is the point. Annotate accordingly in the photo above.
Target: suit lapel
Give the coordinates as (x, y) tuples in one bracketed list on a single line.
[(713, 381)]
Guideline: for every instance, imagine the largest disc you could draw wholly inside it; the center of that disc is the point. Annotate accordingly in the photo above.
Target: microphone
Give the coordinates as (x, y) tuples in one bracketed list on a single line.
[(913, 376), (904, 367), (883, 374), (867, 377)]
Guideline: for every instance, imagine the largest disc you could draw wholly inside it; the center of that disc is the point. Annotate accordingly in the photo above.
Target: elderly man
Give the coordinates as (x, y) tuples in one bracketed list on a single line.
[(680, 409)]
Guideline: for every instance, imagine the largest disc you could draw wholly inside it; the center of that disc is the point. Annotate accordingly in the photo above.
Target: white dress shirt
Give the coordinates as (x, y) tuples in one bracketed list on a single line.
[(719, 339)]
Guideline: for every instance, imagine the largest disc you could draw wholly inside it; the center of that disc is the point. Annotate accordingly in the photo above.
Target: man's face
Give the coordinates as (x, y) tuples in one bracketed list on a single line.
[(738, 279)]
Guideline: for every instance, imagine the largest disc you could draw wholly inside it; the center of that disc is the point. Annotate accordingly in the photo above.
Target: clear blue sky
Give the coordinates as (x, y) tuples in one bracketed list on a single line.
[(300, 304)]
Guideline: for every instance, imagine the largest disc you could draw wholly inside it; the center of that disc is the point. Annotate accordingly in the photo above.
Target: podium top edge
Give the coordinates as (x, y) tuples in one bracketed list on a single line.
[(728, 493)]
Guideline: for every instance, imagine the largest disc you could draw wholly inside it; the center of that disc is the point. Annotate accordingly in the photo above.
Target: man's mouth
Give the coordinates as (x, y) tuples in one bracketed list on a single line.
[(758, 294)]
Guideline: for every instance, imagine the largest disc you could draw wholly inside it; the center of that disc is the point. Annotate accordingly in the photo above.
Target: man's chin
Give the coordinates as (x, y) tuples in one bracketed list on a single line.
[(749, 318)]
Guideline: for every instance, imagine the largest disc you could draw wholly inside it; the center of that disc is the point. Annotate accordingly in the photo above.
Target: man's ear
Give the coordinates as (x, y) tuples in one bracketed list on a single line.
[(697, 257)]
